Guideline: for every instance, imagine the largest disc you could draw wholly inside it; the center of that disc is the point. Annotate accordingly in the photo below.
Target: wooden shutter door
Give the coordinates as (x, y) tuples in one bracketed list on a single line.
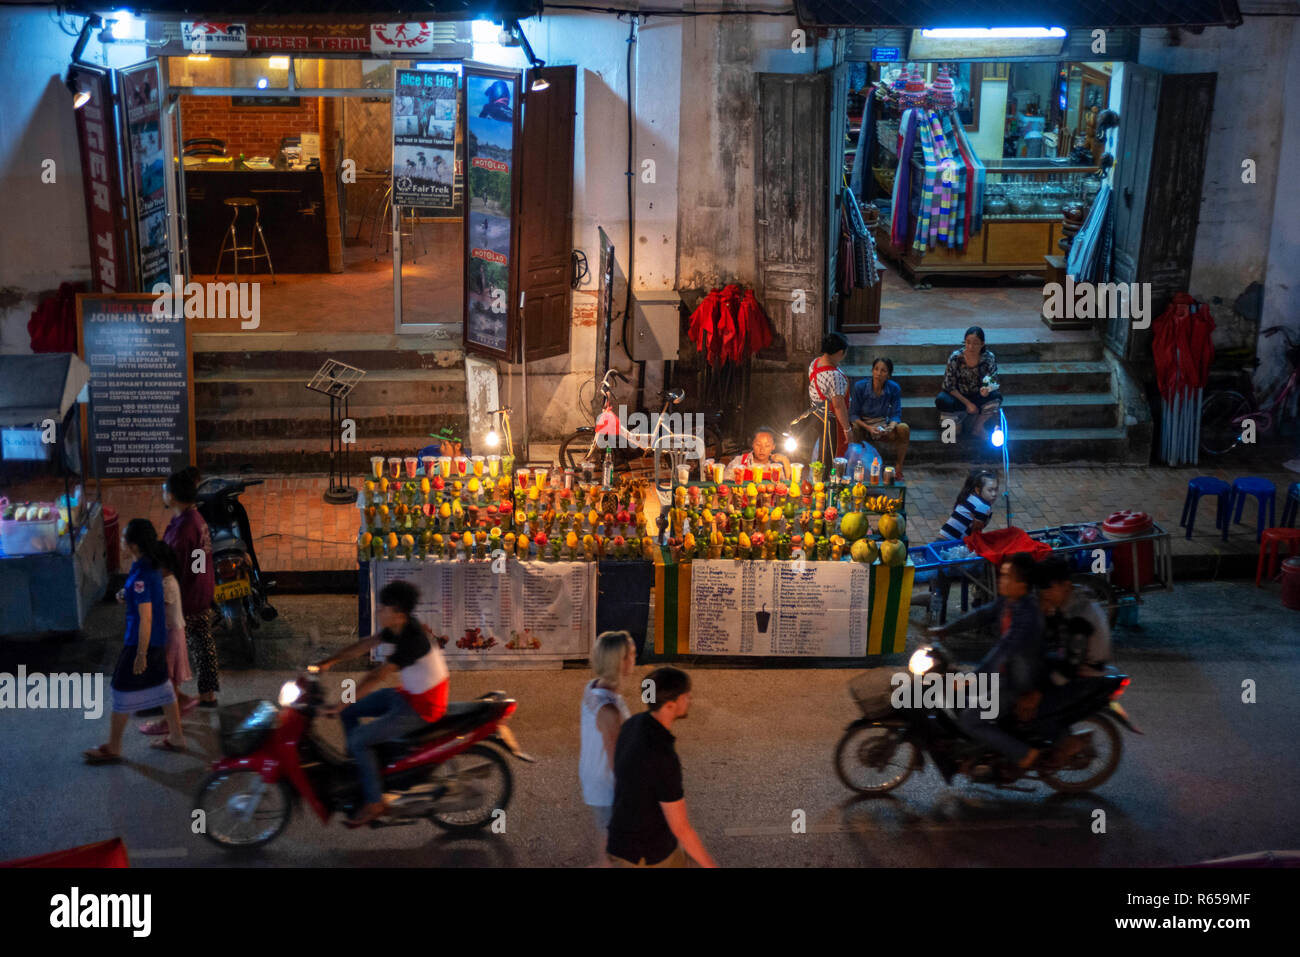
[(546, 211)]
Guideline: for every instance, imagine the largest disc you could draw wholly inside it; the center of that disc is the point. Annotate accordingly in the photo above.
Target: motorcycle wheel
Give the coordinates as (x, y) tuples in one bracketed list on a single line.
[(239, 625), (877, 750), (478, 777), (1076, 779), (223, 798)]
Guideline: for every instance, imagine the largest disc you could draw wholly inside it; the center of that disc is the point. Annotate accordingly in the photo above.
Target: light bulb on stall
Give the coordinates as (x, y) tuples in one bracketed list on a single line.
[(997, 438), (493, 439), (791, 443)]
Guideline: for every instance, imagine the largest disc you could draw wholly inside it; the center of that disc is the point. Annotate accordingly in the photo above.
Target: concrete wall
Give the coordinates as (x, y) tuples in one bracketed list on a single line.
[(1233, 241), (1282, 276)]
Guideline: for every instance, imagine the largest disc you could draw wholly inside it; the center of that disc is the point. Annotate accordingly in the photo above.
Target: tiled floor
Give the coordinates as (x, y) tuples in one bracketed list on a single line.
[(297, 531), (956, 301)]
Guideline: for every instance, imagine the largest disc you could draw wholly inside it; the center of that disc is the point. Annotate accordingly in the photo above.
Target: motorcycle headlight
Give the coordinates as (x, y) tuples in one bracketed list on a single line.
[(920, 662), (289, 693)]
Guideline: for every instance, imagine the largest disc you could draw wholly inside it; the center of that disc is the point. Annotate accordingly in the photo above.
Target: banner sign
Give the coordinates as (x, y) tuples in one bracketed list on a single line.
[(205, 36), (485, 612), (141, 101), (424, 138), (141, 421), (774, 608), (491, 101), (101, 174), (397, 40)]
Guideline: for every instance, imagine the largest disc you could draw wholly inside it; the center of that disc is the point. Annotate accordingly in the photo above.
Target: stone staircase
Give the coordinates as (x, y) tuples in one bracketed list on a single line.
[(252, 406), (1066, 399)]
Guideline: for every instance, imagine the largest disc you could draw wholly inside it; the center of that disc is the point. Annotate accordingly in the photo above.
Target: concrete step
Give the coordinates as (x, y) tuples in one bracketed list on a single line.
[(1018, 377), (1089, 446), (440, 391), (298, 455), (240, 352), (917, 346), (312, 421), (1060, 410)]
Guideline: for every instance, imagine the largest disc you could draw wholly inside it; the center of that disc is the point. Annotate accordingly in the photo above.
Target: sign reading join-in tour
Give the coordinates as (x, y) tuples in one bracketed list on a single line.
[(141, 421)]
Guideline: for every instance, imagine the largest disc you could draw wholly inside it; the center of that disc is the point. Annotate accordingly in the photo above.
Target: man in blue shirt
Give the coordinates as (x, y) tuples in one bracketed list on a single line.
[(876, 411)]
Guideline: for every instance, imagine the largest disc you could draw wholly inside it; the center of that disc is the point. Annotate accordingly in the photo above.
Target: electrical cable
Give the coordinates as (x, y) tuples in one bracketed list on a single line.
[(631, 251)]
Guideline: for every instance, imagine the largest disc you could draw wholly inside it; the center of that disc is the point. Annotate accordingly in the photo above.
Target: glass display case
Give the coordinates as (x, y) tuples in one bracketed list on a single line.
[(1035, 189)]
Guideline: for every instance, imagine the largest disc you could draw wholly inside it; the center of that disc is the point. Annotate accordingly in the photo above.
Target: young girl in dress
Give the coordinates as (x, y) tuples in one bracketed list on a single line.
[(178, 657)]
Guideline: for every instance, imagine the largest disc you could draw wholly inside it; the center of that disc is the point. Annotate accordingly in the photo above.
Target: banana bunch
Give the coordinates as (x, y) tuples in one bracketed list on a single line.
[(881, 503)]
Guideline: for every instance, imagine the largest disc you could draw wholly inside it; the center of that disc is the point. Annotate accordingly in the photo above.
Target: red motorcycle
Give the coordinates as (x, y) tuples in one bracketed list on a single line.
[(452, 772)]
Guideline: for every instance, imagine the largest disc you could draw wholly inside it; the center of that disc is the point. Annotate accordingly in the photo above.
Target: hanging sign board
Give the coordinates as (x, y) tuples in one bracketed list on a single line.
[(141, 102), (141, 421), (101, 174), (424, 138), (492, 128), (886, 54)]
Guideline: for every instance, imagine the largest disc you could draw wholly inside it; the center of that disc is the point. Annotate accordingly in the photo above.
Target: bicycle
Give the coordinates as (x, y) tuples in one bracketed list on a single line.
[(630, 451), (1225, 412), (823, 439)]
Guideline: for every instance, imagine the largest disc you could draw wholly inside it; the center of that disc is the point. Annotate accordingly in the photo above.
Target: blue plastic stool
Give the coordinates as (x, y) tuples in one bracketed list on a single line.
[(1264, 491), (1291, 505), (1207, 485)]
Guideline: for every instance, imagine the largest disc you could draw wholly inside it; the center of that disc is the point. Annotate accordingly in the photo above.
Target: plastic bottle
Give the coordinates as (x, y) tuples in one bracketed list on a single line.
[(875, 471)]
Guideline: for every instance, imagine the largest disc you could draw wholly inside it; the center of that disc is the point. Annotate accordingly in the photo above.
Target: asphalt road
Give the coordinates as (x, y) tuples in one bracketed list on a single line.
[(1212, 776)]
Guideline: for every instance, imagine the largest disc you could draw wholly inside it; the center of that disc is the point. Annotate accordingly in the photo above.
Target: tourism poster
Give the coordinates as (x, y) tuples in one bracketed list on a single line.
[(491, 110), (147, 170), (424, 138)]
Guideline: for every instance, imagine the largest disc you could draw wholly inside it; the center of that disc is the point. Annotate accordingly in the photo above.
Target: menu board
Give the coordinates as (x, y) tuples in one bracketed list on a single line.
[(778, 609), (141, 421), (491, 100), (424, 138), (520, 611)]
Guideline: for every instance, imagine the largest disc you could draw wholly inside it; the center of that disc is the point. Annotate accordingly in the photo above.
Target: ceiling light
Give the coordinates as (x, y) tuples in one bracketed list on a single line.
[(994, 33), (278, 62)]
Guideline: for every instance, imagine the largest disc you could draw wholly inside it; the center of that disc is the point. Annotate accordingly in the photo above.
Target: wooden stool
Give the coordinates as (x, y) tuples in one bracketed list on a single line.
[(1271, 545)]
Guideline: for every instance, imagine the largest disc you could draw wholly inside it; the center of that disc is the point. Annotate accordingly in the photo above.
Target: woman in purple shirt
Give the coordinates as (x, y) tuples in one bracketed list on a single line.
[(140, 679), (190, 539)]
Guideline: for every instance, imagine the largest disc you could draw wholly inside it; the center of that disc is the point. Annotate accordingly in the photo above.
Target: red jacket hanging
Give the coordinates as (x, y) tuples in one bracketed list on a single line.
[(757, 331)]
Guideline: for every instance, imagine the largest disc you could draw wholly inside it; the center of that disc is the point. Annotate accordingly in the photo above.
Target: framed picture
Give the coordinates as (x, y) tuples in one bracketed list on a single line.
[(966, 80), (266, 102)]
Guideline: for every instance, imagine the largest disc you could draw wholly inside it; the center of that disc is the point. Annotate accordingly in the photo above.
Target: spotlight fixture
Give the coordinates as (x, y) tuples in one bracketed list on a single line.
[(80, 97)]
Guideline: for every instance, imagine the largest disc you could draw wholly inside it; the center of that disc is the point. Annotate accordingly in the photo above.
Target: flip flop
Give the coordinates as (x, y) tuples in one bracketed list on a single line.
[(154, 727), (189, 706), (163, 744), (100, 756)]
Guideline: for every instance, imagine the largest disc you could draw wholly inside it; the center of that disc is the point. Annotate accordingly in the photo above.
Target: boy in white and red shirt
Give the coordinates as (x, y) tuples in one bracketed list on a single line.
[(422, 698)]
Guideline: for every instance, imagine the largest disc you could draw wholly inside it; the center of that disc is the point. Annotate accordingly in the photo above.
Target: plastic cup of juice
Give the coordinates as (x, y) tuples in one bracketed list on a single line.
[(395, 466), (540, 475), (719, 473), (796, 472), (494, 465), (377, 466), (523, 476), (444, 465), (412, 464), (462, 465), (430, 463), (817, 468)]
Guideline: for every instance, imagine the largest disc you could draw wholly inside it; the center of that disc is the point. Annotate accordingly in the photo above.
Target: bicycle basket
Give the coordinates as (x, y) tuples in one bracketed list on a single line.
[(245, 726), (871, 690)]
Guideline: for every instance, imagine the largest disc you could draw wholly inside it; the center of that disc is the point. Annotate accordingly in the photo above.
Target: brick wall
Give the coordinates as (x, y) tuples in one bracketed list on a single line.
[(248, 130)]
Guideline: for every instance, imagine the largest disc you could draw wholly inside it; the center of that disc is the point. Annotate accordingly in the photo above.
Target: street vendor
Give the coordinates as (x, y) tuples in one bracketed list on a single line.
[(876, 411), (761, 452), (827, 388)]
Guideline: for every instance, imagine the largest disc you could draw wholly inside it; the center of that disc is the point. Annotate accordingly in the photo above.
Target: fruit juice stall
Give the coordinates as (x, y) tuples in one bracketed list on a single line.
[(520, 566), (53, 563)]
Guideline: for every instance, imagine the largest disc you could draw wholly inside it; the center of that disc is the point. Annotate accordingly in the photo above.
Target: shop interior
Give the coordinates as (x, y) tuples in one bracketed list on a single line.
[(1034, 128), (327, 237)]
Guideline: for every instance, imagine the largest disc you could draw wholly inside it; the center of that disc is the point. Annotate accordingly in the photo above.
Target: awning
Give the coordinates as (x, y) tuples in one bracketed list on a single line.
[(38, 387), (392, 11), (918, 14)]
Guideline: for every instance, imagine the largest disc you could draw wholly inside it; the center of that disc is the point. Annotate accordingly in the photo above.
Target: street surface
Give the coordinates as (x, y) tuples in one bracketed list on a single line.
[(1212, 776)]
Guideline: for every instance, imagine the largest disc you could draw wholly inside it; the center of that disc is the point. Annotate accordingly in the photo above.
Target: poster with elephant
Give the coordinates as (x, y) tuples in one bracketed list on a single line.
[(492, 118), (424, 138)]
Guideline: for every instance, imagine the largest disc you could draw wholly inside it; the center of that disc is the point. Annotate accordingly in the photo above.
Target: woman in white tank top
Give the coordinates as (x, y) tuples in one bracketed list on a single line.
[(603, 714)]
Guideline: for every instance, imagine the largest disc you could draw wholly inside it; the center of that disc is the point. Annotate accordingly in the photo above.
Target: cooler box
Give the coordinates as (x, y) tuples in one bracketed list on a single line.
[(1119, 527), (29, 538)]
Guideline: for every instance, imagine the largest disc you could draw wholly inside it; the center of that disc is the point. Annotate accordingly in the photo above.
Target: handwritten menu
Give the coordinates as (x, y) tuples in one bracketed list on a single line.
[(524, 611), (775, 609)]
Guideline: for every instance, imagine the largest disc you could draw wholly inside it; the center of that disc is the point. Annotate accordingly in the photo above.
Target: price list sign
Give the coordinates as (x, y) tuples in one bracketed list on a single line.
[(141, 421), (779, 609)]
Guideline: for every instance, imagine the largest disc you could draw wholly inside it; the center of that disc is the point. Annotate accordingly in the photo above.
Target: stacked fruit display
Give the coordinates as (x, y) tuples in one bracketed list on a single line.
[(776, 520), (479, 517)]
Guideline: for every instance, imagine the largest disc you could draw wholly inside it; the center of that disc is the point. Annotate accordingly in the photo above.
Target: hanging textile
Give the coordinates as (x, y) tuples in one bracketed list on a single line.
[(902, 195), (866, 137), (863, 243), (1083, 262)]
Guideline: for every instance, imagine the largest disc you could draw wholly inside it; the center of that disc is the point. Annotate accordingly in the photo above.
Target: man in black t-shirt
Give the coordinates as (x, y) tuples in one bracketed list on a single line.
[(649, 826)]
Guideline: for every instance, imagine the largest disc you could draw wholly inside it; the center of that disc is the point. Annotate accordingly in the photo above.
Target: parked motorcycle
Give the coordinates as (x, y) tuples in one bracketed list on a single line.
[(452, 771), (241, 591), (880, 750)]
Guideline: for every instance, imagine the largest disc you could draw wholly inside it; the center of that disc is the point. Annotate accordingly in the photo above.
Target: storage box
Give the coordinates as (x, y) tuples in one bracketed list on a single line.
[(29, 538), (872, 691)]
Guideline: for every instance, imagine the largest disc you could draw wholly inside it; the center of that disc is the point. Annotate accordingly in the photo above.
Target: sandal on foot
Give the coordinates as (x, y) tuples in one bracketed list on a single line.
[(101, 755), (165, 744), (189, 706), (154, 727)]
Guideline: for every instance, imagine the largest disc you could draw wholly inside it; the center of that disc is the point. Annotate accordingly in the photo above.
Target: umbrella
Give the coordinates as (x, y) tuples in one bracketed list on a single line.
[(1183, 348)]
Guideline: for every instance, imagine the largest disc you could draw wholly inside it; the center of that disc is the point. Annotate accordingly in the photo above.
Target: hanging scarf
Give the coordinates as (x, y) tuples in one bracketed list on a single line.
[(902, 195), (866, 137)]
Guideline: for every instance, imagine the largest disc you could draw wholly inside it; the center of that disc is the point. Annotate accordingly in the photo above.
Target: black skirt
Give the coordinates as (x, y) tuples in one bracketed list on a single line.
[(154, 674)]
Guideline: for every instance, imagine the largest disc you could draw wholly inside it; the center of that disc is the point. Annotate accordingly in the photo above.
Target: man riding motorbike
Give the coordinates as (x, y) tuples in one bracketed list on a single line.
[(1076, 641), (408, 650), (1016, 659)]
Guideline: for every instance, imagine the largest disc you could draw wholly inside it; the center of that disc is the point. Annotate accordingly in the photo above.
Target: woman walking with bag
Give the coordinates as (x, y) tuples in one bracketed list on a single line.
[(140, 678)]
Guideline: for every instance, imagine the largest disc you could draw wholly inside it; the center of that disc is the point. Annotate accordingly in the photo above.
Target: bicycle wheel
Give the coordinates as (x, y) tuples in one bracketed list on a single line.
[(577, 448), (1221, 417)]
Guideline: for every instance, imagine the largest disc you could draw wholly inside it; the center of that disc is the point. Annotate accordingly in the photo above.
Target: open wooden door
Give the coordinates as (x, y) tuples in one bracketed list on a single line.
[(546, 211), (790, 214)]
